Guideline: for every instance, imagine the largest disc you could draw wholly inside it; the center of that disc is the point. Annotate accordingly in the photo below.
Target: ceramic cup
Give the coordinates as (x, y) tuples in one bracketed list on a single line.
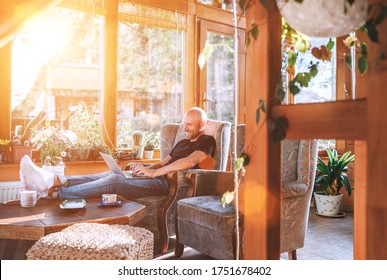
[(29, 198), (109, 198)]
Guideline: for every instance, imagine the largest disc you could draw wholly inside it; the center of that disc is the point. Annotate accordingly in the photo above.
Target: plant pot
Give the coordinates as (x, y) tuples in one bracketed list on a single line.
[(19, 151), (139, 151), (328, 205), (149, 154), (324, 18), (56, 169)]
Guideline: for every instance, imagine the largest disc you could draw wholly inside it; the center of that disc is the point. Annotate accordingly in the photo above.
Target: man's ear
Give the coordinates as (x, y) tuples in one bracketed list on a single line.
[(202, 125)]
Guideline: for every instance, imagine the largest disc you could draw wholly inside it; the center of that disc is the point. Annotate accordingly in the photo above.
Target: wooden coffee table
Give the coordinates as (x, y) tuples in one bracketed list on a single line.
[(46, 217)]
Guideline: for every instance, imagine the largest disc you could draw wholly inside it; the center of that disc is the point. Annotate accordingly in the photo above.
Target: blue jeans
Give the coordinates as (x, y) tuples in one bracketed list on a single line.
[(95, 185)]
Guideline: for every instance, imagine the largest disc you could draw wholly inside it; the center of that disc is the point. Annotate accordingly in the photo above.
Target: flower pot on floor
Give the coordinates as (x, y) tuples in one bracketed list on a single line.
[(328, 205)]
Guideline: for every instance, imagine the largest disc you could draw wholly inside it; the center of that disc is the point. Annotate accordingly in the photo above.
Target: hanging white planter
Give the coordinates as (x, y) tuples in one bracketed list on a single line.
[(324, 18)]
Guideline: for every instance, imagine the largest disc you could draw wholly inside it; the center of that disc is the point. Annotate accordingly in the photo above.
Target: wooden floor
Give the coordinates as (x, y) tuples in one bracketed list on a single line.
[(327, 239)]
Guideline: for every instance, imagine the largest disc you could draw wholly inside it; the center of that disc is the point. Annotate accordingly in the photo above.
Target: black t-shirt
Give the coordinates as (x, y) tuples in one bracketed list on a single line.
[(185, 147)]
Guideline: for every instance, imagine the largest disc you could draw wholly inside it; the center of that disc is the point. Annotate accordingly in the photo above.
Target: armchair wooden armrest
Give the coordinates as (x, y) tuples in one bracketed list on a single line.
[(166, 216)]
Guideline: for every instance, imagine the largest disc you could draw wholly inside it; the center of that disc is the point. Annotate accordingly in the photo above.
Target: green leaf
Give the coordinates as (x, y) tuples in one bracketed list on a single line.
[(257, 115), (303, 79), (262, 105), (372, 31), (239, 163), (292, 58), (294, 89), (281, 93), (299, 1), (362, 64), (254, 31), (313, 71), (277, 128), (364, 49), (330, 44)]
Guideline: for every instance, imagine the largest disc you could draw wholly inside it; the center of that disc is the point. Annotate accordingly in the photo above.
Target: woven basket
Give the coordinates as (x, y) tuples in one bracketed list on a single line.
[(91, 241)]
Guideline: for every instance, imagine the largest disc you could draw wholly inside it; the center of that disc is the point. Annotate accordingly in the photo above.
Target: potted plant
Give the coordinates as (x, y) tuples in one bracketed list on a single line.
[(52, 144), (149, 149), (85, 124), (330, 178), (4, 150)]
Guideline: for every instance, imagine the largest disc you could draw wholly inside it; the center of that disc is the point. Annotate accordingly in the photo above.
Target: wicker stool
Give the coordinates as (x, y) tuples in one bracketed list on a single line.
[(91, 241)]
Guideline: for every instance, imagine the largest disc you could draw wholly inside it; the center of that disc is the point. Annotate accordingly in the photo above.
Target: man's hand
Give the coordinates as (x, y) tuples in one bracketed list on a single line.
[(144, 170)]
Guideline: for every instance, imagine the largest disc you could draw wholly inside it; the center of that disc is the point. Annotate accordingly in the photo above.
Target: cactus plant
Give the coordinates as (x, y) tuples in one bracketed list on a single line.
[(137, 138)]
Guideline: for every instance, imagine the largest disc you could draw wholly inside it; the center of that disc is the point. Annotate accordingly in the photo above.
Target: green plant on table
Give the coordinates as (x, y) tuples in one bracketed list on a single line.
[(331, 177)]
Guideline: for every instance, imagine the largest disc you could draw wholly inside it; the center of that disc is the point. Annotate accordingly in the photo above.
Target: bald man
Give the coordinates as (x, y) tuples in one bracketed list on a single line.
[(187, 153)]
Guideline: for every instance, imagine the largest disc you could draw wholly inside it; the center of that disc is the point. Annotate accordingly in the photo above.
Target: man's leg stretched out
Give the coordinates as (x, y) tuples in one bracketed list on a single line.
[(86, 186)]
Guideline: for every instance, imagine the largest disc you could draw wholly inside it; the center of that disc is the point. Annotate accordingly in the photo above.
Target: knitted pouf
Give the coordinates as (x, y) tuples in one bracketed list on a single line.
[(91, 241)]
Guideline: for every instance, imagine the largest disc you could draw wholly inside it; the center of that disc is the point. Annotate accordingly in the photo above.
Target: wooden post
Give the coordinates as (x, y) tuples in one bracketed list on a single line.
[(262, 183)]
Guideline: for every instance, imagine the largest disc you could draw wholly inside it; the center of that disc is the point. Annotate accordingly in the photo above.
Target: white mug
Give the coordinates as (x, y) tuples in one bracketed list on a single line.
[(29, 198), (109, 198)]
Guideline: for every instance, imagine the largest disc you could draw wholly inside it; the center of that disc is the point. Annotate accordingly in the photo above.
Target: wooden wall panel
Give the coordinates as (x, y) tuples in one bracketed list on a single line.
[(261, 186)]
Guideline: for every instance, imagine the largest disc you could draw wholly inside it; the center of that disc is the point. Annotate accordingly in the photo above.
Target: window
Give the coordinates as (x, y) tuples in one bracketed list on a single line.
[(150, 70), (321, 88), (57, 70), (61, 64)]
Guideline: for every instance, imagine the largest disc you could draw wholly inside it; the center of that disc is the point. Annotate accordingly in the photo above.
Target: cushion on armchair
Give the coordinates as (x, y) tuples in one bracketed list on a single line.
[(208, 211), (204, 223)]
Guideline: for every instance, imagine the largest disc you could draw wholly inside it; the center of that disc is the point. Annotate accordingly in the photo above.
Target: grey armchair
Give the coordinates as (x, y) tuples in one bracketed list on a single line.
[(206, 226), (160, 217)]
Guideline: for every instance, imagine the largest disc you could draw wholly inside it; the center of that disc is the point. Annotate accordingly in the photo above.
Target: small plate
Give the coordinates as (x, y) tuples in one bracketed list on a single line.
[(74, 203), (339, 215), (117, 203)]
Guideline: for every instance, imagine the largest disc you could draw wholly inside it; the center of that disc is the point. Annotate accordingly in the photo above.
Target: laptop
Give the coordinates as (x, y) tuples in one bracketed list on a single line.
[(113, 165)]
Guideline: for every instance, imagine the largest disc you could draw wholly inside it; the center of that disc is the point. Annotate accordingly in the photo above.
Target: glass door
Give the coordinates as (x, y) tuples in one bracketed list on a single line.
[(217, 77)]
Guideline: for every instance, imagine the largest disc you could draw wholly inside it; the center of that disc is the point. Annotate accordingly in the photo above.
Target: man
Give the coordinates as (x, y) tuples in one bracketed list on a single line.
[(188, 153)]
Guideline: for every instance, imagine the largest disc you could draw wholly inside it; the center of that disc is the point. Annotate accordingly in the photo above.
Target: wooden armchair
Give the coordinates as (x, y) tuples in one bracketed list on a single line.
[(161, 210)]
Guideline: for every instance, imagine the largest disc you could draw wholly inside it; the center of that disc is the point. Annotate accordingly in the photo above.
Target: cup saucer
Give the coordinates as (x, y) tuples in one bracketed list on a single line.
[(117, 203)]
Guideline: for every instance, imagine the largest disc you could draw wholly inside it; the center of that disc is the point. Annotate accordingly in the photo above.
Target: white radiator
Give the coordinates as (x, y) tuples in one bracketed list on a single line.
[(10, 190)]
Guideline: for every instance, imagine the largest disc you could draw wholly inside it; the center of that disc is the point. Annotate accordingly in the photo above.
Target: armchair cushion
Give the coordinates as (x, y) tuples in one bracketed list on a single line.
[(204, 223), (208, 211)]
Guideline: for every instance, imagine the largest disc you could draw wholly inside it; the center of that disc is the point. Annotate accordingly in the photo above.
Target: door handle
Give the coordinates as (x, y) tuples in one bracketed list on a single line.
[(209, 100)]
